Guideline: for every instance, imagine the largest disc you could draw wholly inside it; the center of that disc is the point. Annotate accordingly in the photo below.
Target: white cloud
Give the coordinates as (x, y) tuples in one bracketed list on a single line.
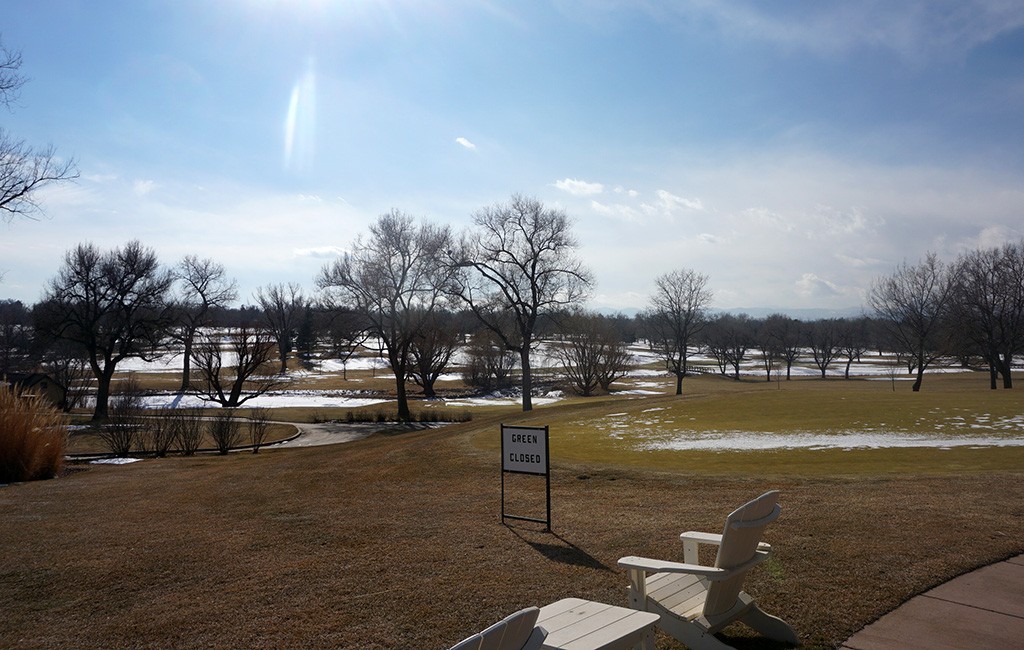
[(99, 178), (993, 237), (811, 286), (143, 187), (916, 30), (670, 201), (617, 211), (579, 188), (465, 143), (668, 204), (320, 252), (857, 262)]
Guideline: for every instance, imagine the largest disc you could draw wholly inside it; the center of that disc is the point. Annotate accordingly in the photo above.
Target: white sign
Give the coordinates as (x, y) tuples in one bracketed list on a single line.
[(524, 450)]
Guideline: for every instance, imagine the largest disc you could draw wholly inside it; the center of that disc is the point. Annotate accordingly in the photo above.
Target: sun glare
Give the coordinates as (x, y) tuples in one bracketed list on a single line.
[(300, 122)]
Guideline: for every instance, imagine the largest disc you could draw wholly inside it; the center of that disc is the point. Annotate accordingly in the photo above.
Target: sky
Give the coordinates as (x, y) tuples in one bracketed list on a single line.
[(792, 151)]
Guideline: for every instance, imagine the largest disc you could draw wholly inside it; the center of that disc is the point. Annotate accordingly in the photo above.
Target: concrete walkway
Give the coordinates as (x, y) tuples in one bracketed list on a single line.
[(981, 609), (332, 433), (327, 433)]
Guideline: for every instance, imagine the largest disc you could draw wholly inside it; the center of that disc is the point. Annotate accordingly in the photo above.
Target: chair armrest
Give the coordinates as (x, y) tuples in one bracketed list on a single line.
[(664, 566), (701, 538)]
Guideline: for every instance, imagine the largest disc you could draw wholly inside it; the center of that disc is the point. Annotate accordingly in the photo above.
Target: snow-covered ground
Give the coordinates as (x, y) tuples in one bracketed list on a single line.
[(644, 431), (747, 441), (279, 399)]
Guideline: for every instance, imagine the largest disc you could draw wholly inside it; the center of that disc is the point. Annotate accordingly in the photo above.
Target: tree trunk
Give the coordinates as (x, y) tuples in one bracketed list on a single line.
[(993, 375), (1007, 364), (524, 360), (282, 349), (186, 364), (920, 374), (102, 392), (428, 389), (403, 401), (679, 383)]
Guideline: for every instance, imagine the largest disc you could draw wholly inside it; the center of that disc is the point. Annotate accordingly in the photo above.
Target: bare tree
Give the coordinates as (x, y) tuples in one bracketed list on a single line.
[(822, 337), (591, 355), (784, 332), (988, 306), (394, 279), (15, 336), (728, 339), (234, 368), (852, 340), (346, 333), (912, 302), (67, 365), (23, 169), (517, 265), (488, 363), (432, 350), (676, 316), (764, 341), (11, 79), (614, 358), (112, 305), (283, 307), (203, 286)]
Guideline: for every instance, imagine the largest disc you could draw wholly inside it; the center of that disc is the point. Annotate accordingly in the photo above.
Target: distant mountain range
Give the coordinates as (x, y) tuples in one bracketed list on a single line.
[(761, 312)]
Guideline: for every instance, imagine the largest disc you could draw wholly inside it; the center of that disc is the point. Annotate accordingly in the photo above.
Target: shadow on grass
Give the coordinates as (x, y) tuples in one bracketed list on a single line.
[(566, 552)]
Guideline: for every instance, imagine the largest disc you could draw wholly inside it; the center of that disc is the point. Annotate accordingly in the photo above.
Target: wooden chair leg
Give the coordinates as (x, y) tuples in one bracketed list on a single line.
[(770, 626)]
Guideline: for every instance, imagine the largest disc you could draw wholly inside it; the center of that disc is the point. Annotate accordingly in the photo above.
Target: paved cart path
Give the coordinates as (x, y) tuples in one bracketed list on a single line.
[(332, 433), (980, 609)]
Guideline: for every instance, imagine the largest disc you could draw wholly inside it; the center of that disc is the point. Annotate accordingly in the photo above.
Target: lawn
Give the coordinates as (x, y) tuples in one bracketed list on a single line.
[(395, 541)]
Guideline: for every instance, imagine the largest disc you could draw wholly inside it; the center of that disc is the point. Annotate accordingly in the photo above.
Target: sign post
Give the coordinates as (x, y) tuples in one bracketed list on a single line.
[(524, 450)]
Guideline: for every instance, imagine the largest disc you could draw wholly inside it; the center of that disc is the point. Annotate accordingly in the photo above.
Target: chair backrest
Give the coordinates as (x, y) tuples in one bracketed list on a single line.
[(744, 528), (514, 632)]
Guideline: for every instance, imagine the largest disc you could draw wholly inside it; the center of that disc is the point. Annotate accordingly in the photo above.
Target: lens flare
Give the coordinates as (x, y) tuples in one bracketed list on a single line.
[(300, 122)]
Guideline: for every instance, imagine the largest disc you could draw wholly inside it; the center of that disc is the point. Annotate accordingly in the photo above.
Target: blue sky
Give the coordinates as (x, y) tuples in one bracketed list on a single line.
[(792, 151)]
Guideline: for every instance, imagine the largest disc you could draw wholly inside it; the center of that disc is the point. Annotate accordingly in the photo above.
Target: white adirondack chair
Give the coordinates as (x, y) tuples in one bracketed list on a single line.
[(695, 601), (514, 632)]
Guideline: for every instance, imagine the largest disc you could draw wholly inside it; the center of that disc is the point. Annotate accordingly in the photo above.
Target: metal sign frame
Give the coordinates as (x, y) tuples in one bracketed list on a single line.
[(521, 454)]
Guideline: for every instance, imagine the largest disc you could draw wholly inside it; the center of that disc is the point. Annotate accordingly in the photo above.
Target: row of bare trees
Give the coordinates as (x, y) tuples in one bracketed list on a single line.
[(970, 309), (396, 287), (973, 306), (515, 265), (408, 287)]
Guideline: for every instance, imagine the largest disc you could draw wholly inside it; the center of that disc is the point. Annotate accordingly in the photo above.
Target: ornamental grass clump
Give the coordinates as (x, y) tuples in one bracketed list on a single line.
[(33, 438)]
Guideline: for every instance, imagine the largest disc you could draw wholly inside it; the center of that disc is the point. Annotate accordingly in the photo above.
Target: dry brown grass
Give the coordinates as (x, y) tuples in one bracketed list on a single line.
[(395, 542), (87, 441), (33, 437)]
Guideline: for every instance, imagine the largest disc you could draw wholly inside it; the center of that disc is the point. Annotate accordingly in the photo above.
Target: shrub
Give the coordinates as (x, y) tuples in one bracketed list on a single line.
[(162, 433), (187, 425), (33, 437), (124, 430), (224, 430), (259, 419)]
